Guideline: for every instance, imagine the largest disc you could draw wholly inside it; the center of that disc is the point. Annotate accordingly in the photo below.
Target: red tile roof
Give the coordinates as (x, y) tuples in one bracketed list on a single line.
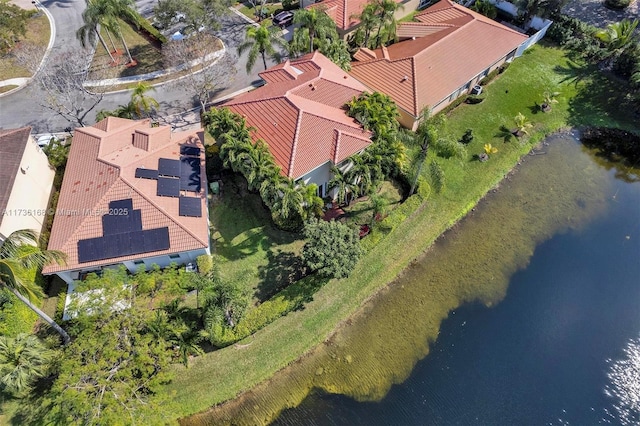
[(344, 12), (101, 168), (452, 45), (12, 145), (299, 114)]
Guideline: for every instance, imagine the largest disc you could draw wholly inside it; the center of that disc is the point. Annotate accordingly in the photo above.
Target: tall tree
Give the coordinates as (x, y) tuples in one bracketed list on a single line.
[(22, 360), (18, 253), (62, 80), (220, 121), (425, 135), (369, 21), (387, 23), (318, 23), (87, 33), (257, 164), (198, 50), (262, 40), (13, 24), (342, 183)]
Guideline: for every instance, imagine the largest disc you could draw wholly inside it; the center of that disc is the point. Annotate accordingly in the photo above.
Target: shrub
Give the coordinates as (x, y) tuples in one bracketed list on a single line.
[(467, 137), (205, 263), (146, 28), (617, 4), (454, 104), (475, 99), (15, 316), (613, 143), (437, 176), (290, 4)]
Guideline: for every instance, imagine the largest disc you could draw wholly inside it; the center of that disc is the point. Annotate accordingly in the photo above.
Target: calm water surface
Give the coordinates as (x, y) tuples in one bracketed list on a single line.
[(541, 356)]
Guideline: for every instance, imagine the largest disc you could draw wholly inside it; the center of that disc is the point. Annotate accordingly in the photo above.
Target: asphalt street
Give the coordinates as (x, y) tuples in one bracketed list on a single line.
[(23, 107)]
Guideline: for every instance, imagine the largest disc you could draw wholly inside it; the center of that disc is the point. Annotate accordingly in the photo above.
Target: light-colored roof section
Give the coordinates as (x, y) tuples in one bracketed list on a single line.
[(101, 168), (299, 118), (418, 29), (423, 71), (13, 142)]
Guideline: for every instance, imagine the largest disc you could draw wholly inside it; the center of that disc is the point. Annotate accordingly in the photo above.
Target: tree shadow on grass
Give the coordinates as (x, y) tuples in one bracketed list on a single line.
[(505, 134), (282, 270)]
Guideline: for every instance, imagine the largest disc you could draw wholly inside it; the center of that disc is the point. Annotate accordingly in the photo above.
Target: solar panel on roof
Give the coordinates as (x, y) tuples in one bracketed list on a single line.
[(146, 173), (190, 206), (126, 203), (189, 150), (124, 244), (168, 187), (168, 167), (190, 174)]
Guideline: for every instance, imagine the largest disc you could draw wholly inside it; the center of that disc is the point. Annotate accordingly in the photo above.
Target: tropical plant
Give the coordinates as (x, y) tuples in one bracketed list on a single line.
[(423, 137), (289, 202), (437, 176), (18, 254), (378, 206), (23, 359), (232, 150), (548, 99), (220, 121), (336, 50), (343, 185), (375, 111), (486, 8), (387, 23), (319, 24), (92, 17), (188, 343), (467, 137), (522, 125), (311, 204), (13, 24), (489, 149), (256, 164), (142, 103), (618, 36), (369, 20), (262, 40), (332, 249)]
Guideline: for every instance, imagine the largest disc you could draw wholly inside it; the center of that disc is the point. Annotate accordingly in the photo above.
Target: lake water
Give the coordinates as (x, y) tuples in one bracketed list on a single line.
[(541, 355), (515, 316)]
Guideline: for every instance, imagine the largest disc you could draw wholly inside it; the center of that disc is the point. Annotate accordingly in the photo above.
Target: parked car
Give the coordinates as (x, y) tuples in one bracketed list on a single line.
[(44, 140), (283, 19)]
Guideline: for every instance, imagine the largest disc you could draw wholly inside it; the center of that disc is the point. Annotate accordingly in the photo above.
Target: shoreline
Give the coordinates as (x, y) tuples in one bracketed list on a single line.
[(240, 399)]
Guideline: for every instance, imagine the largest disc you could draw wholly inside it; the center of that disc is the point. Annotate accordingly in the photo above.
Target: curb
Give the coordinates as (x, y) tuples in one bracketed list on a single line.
[(52, 38)]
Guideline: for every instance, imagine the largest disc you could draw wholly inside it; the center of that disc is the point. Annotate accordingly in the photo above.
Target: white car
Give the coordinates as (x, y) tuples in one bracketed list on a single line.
[(44, 140)]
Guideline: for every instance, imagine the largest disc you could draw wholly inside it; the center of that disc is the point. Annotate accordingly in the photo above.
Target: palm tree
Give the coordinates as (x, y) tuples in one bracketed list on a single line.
[(424, 136), (386, 10), (317, 22), (262, 40), (18, 254), (343, 185), (257, 164), (22, 359), (549, 98), (188, 342), (269, 191), (618, 37), (89, 30), (369, 20), (231, 149), (311, 203), (143, 104), (290, 199), (362, 173), (108, 13), (220, 121)]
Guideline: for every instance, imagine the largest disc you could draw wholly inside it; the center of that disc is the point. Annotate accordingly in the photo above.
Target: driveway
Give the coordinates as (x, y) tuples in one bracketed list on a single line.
[(594, 12), (22, 108)]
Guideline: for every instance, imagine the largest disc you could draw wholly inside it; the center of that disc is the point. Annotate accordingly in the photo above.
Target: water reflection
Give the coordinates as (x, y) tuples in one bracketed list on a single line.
[(558, 189)]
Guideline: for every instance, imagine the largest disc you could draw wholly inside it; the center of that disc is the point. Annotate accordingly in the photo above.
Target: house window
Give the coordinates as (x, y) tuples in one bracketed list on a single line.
[(486, 72), (138, 262), (174, 256), (322, 190)]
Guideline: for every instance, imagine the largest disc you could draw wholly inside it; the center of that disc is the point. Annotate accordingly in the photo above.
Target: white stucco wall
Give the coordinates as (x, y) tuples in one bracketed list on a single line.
[(320, 175), (147, 263), (28, 202)]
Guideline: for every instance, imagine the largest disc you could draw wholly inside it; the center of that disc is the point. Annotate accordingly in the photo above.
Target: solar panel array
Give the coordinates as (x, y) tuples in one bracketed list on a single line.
[(172, 177), (122, 235)]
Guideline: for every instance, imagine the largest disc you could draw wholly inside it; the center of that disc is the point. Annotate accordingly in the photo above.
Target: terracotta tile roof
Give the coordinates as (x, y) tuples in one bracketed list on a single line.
[(343, 12), (101, 168), (12, 145), (301, 119), (427, 69)]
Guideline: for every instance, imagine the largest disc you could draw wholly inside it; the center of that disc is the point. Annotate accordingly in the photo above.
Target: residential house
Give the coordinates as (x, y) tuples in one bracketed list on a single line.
[(300, 114), (132, 194), (26, 180), (442, 56), (345, 13)]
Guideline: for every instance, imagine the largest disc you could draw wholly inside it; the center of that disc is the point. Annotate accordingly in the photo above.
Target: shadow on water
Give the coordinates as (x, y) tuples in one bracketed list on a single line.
[(553, 193)]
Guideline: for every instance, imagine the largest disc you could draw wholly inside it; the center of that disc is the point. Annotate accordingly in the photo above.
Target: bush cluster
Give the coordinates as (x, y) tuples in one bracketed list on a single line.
[(577, 36), (617, 4)]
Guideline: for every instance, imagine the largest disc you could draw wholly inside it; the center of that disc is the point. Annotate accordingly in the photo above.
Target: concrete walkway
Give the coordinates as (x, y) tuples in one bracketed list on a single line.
[(594, 12)]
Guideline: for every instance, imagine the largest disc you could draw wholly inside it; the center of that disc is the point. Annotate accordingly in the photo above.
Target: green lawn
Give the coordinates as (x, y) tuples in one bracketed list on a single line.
[(248, 249), (222, 375), (38, 33), (146, 53)]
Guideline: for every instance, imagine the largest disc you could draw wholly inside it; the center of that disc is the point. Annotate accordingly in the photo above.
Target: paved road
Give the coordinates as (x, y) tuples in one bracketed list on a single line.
[(22, 108)]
